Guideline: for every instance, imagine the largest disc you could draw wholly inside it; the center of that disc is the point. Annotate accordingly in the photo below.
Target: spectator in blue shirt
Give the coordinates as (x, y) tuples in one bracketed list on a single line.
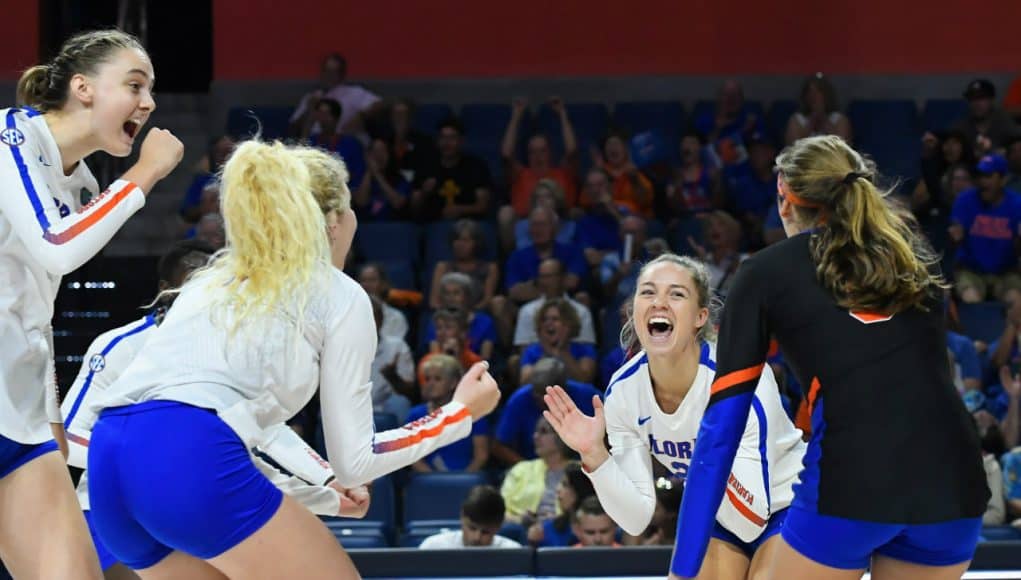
[(727, 127), (458, 290), (513, 438), (619, 272), (557, 325), (751, 188), (598, 228), (523, 264), (966, 360), (326, 116), (441, 374), (985, 228)]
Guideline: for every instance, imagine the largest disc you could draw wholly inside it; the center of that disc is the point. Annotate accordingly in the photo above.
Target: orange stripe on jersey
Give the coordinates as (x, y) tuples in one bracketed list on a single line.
[(870, 317), (744, 510), (91, 219), (813, 392), (736, 378), (77, 439), (418, 437)]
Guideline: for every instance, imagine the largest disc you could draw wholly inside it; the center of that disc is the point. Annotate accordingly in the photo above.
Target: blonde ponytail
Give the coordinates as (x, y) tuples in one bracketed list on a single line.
[(275, 231)]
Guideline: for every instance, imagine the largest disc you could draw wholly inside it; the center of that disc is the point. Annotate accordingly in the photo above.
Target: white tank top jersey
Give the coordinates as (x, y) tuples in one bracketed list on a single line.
[(264, 372), (761, 480), (108, 356), (45, 232)]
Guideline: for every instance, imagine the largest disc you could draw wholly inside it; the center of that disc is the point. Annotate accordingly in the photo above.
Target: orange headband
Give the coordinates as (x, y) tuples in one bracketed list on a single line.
[(787, 193)]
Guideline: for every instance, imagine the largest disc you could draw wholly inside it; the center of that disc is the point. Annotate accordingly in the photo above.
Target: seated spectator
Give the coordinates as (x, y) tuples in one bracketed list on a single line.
[(482, 515), (726, 129), (986, 127), (393, 371), (451, 326), (374, 281), (750, 188), (985, 230), (933, 195), (459, 291), (556, 532), (557, 325), (210, 230), (593, 526), (818, 112), (551, 285), (513, 438), (993, 446), (456, 184), (631, 188), (321, 130), (547, 193), (619, 270), (356, 103), (530, 487), (413, 150), (598, 230), (723, 255), (383, 193), (467, 245), (192, 206), (523, 178), (1005, 350), (441, 374), (967, 364), (523, 264), (695, 186), (662, 531)]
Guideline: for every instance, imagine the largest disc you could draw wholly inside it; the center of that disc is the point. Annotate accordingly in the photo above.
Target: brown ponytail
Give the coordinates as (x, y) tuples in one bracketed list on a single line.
[(869, 253)]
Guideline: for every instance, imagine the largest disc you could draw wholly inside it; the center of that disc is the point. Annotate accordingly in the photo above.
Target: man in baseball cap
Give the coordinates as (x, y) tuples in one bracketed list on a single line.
[(987, 126)]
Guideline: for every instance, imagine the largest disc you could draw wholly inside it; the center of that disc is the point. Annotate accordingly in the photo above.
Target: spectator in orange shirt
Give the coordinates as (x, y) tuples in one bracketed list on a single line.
[(592, 526), (524, 178), (451, 339), (631, 188)]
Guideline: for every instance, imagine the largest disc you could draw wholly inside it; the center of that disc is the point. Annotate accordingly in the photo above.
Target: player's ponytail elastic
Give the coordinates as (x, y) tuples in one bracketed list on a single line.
[(45, 86), (868, 251)]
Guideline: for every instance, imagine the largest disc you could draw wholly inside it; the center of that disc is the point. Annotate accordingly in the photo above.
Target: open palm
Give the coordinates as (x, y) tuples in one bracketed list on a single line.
[(579, 431)]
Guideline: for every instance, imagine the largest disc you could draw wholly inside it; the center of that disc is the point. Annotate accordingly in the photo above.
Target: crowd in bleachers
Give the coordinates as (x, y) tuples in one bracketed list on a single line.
[(513, 233)]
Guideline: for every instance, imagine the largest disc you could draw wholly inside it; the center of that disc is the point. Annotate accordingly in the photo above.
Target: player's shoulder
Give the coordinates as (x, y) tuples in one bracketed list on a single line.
[(134, 330), (632, 371), (341, 294), (17, 126)]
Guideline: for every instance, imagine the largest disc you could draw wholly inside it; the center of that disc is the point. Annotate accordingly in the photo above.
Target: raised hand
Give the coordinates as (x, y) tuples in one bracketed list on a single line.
[(580, 432)]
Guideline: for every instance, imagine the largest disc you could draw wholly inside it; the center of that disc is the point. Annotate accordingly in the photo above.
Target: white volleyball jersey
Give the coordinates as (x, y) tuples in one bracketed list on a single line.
[(767, 464), (45, 232), (107, 357), (265, 371)]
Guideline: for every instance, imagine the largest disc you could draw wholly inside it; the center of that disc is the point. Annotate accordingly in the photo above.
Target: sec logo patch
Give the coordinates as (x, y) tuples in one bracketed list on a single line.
[(12, 137), (97, 363)]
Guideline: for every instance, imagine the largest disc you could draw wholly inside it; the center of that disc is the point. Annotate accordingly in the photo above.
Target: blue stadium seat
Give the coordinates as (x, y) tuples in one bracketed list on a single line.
[(889, 132), (640, 116), (244, 122), (401, 273), (421, 346), (363, 540), (433, 496), (429, 115), (515, 532), (385, 241), (1001, 533), (776, 119), (982, 321), (941, 114), (487, 120), (352, 533)]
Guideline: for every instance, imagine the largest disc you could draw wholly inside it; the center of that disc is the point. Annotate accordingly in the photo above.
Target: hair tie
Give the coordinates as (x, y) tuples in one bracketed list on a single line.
[(852, 177)]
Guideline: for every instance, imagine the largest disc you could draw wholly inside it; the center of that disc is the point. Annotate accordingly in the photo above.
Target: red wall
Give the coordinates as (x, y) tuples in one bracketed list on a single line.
[(20, 47), (255, 39)]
